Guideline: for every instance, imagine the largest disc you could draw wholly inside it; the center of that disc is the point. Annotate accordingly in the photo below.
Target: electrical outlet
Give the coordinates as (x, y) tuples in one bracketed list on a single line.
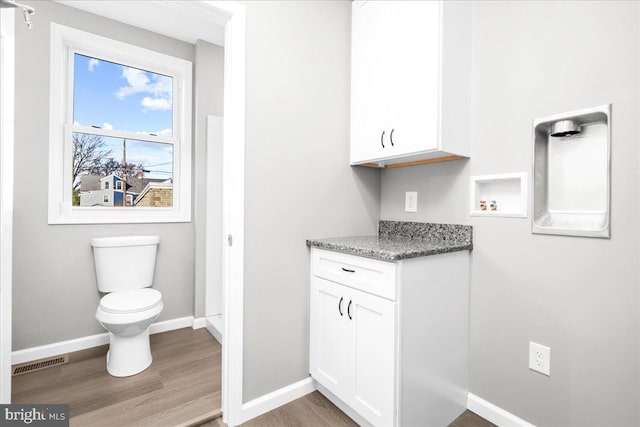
[(411, 201), (540, 358)]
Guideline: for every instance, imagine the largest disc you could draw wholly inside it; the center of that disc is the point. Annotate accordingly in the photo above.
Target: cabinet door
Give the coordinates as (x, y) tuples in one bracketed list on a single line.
[(374, 357), (370, 91), (415, 115), (330, 336)]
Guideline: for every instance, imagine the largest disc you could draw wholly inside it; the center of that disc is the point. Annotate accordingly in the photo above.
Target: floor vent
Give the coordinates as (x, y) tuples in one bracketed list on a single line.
[(25, 368)]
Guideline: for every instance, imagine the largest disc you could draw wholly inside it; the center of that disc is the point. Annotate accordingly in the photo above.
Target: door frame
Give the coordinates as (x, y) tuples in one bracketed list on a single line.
[(7, 80), (232, 17)]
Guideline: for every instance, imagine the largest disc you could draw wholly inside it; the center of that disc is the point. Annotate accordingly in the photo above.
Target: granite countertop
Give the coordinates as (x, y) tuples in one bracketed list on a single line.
[(398, 240)]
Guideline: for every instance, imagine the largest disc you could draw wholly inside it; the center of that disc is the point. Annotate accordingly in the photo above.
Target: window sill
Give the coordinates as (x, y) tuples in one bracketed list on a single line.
[(97, 215)]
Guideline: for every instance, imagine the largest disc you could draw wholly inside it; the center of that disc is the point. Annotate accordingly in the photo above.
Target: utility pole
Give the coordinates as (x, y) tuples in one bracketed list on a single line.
[(124, 172)]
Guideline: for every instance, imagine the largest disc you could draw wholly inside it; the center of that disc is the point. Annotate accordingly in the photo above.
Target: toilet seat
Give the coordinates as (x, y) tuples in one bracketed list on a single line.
[(134, 301)]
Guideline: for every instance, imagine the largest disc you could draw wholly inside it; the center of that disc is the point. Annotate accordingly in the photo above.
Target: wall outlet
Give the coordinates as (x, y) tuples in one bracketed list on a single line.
[(411, 201), (540, 358)]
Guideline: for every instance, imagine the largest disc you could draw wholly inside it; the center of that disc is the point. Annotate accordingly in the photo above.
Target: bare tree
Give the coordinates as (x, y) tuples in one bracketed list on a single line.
[(88, 152)]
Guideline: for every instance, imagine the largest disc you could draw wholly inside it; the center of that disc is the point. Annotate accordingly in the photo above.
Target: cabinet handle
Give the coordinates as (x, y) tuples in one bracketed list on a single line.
[(347, 270), (349, 310), (382, 139), (391, 137), (340, 306)]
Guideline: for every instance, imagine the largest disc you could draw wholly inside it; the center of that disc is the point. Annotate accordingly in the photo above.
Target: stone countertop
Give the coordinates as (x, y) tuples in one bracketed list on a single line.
[(388, 248), (401, 240)]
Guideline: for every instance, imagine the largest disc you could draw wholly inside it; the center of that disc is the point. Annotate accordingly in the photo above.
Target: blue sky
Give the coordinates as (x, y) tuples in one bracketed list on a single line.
[(113, 96)]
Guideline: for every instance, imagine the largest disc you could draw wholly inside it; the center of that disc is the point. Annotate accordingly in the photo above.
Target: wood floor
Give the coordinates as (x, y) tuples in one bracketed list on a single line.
[(314, 410), (181, 388)]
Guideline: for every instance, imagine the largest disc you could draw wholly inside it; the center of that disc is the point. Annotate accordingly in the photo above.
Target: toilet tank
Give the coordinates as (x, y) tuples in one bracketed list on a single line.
[(124, 263)]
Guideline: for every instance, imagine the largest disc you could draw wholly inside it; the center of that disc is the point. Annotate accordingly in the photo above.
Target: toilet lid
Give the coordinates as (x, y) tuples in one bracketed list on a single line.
[(131, 301)]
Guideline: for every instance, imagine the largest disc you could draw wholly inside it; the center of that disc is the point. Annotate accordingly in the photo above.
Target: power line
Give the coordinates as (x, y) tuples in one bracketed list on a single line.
[(159, 164)]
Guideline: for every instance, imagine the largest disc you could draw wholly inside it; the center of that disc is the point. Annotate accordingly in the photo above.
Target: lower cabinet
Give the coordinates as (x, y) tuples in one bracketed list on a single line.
[(354, 347), (389, 340)]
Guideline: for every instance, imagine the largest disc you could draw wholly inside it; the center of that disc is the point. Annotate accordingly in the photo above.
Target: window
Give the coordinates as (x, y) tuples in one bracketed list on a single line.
[(121, 117)]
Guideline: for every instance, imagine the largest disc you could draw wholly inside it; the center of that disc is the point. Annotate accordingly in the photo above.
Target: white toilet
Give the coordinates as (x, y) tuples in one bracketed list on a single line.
[(124, 270)]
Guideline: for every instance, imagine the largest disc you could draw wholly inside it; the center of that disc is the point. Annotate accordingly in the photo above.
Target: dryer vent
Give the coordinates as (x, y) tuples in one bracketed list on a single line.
[(564, 128)]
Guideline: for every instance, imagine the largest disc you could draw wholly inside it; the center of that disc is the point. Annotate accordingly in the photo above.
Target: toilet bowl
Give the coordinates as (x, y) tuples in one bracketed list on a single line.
[(124, 271), (127, 316)]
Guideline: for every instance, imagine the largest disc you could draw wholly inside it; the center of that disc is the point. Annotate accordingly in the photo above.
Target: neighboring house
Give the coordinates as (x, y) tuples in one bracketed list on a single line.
[(96, 190), (107, 190), (156, 194)]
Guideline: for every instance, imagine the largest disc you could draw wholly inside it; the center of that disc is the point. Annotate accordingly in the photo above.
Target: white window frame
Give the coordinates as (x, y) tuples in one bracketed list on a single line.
[(105, 198), (65, 42), (118, 185)]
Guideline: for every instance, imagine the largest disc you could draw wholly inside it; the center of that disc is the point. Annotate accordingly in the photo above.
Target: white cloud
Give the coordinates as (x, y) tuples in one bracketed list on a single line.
[(92, 63), (162, 104), (106, 125), (158, 86), (163, 132), (137, 82)]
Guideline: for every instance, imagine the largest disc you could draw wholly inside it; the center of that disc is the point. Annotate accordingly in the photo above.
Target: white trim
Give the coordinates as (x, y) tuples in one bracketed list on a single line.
[(7, 94), (65, 42), (199, 323), (493, 413), (63, 347), (215, 326), (275, 399), (171, 325), (233, 211)]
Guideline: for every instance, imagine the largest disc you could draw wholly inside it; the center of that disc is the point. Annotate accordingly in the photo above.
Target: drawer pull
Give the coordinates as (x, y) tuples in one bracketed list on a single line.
[(349, 310), (340, 306), (347, 270)]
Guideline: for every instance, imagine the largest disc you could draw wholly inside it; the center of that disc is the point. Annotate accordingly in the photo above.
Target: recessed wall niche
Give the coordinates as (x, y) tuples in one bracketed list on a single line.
[(572, 173)]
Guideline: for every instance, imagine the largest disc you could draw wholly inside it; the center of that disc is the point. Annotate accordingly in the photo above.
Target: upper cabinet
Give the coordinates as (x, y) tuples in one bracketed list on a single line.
[(410, 81)]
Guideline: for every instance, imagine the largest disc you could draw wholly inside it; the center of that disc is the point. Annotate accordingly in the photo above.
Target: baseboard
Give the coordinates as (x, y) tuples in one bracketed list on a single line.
[(171, 325), (199, 323), (63, 347), (215, 325), (275, 399), (494, 414), (56, 348)]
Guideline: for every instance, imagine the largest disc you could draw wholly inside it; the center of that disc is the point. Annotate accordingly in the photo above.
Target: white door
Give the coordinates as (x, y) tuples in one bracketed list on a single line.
[(416, 75), (370, 66), (7, 64), (215, 244), (330, 336), (374, 357)]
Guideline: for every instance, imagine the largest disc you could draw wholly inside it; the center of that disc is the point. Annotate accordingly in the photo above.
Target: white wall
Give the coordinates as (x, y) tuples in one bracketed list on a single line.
[(55, 294), (299, 184), (577, 295)]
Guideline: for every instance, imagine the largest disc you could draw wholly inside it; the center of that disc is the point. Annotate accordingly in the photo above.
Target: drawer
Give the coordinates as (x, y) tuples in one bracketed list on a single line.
[(366, 274)]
